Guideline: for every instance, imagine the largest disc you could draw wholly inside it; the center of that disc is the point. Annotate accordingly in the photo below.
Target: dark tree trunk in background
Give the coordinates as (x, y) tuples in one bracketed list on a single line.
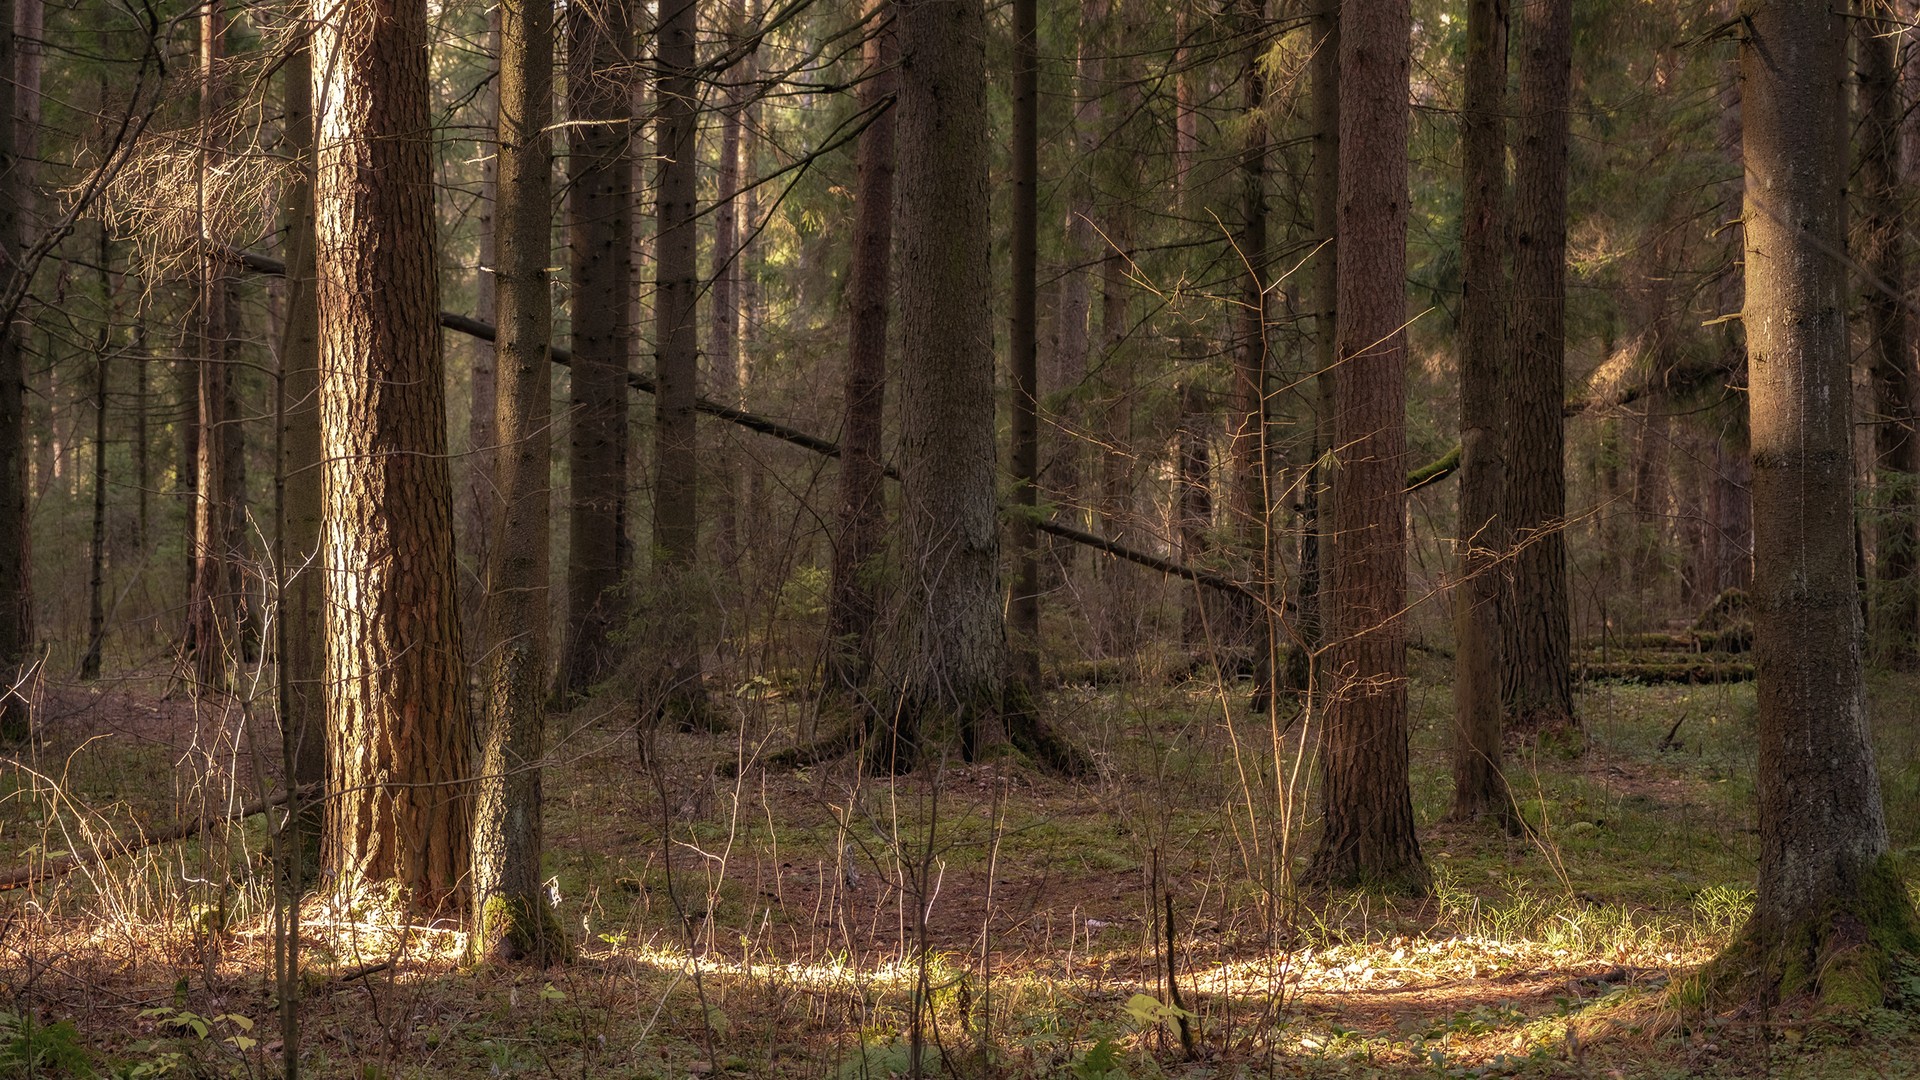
[(513, 920), (1895, 631), (16, 597), (301, 622), (599, 242), (399, 806), (1537, 650), (1024, 606), (1083, 252), (477, 497), (1193, 503), (213, 608), (1478, 786), (852, 598), (1368, 836), (678, 691), (1315, 542), (724, 340), (1247, 450), (97, 545), (1830, 905), (950, 643)]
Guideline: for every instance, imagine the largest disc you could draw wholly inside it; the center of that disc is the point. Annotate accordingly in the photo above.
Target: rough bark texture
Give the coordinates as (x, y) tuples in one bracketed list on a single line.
[(599, 242), (677, 690), (213, 644), (1369, 837), (301, 622), (514, 921), (852, 599), (1895, 630), (1023, 337), (1538, 683), (1315, 542), (399, 809), (1478, 786), (950, 642), (1829, 907)]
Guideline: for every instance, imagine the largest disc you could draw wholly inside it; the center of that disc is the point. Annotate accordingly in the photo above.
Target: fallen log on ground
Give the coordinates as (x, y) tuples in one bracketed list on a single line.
[(1650, 673)]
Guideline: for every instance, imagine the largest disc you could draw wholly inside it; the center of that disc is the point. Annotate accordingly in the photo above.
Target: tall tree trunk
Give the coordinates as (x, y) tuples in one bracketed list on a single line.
[(301, 625), (478, 498), (1113, 500), (1247, 451), (16, 596), (1193, 503), (1830, 905), (951, 644), (142, 450), (1083, 252), (514, 921), (1316, 548), (1369, 834), (97, 548), (213, 621), (599, 239), (1478, 786), (399, 806), (1895, 632), (678, 691), (1537, 647), (852, 600), (724, 339), (1023, 338)]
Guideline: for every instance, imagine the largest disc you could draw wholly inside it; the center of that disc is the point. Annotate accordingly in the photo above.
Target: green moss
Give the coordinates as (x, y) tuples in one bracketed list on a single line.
[(519, 929)]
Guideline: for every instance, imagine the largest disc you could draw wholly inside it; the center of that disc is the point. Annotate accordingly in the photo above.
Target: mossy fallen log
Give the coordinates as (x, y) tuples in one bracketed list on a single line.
[(1665, 672)]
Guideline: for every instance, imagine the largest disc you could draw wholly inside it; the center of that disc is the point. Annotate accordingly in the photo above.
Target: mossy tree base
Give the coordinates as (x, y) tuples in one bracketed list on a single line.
[(1837, 963), (519, 930), (898, 740)]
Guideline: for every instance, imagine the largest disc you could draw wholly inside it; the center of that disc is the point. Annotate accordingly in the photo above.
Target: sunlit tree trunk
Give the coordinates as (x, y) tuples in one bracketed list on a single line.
[(1830, 906), (599, 241), (399, 806), (1895, 638), (1478, 786), (1368, 836), (514, 921), (1536, 657), (212, 611), (852, 598)]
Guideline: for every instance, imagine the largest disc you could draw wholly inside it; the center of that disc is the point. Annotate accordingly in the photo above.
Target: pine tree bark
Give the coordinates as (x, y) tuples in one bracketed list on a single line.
[(678, 691), (399, 806), (514, 921), (852, 598), (1316, 544), (213, 607), (724, 307), (1369, 835), (301, 621), (1895, 630), (1023, 339), (1478, 785), (1830, 905), (600, 240), (951, 650), (1537, 648), (1083, 253)]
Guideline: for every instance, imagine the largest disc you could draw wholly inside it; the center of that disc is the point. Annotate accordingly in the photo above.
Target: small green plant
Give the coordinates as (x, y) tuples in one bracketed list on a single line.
[(1100, 1062), (28, 1048)]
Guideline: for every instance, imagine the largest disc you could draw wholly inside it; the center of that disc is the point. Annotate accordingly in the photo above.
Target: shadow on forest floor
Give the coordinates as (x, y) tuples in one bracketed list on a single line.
[(1044, 900)]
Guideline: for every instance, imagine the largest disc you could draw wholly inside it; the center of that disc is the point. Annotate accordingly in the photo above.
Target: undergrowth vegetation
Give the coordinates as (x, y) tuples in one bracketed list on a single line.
[(967, 921)]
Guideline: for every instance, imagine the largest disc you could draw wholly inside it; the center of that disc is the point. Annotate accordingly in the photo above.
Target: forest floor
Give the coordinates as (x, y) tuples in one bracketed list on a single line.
[(728, 919)]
